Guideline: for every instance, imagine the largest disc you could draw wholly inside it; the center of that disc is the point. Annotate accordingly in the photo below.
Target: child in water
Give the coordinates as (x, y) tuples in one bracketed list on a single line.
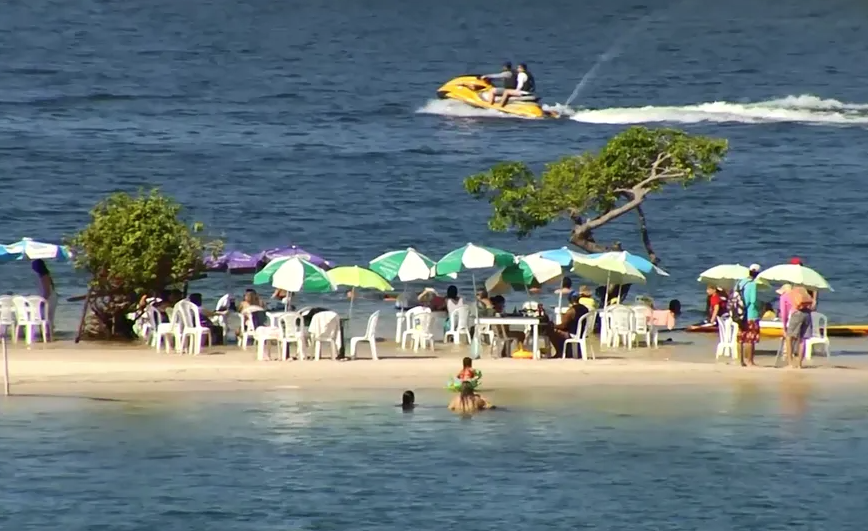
[(408, 401), (467, 372), (468, 402), (769, 312)]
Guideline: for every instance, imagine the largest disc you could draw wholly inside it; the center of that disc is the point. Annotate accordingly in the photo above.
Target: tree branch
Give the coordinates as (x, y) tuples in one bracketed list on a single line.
[(646, 238), (581, 235)]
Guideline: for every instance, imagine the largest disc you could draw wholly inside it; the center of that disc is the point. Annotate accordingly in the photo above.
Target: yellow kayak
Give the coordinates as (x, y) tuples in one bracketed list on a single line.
[(775, 329)]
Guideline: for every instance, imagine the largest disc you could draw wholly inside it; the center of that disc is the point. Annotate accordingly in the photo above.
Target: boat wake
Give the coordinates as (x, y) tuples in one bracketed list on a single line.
[(462, 110), (800, 109)]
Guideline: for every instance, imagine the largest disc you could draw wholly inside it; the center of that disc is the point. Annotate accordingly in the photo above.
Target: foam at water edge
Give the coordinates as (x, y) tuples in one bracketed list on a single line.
[(804, 108)]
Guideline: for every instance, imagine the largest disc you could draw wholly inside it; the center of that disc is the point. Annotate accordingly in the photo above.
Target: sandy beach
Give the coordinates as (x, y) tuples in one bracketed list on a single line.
[(112, 370)]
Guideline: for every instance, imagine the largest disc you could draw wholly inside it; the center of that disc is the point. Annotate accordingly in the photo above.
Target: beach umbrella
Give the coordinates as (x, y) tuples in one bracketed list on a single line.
[(726, 275), (795, 274), (235, 262), (563, 256), (473, 256), (294, 275), (608, 268), (405, 265), (294, 251), (525, 272), (642, 264), (34, 250), (357, 277)]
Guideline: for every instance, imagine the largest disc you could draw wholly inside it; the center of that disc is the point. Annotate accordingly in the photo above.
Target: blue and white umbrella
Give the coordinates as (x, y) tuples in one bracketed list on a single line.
[(563, 256), (642, 264), (34, 250)]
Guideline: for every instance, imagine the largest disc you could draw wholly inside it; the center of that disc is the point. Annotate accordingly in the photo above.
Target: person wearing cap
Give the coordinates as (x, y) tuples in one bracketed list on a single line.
[(795, 303), (749, 329), (813, 293), (507, 75)]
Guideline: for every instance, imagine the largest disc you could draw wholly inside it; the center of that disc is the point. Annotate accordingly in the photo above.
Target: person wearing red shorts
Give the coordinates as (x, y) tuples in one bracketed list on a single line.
[(749, 329)]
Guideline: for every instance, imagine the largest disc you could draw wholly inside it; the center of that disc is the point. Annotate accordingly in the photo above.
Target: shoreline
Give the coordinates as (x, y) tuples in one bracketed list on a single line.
[(66, 369)]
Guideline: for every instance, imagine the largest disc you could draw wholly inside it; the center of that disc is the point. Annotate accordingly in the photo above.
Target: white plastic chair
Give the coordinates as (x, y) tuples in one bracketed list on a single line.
[(7, 316), (160, 330), (324, 330), (410, 324), (422, 331), (248, 331), (819, 335), (623, 326), (30, 315), (370, 337), (459, 324), (607, 338), (727, 344), (643, 327), (291, 331), (193, 329), (584, 326)]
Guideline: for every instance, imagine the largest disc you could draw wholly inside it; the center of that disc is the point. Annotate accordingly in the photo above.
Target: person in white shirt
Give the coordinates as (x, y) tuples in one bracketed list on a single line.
[(525, 85)]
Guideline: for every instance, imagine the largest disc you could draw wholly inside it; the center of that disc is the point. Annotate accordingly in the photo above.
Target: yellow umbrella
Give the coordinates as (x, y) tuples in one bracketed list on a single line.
[(357, 277)]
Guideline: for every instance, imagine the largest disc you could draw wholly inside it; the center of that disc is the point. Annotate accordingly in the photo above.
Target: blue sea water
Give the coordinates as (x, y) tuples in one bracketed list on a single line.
[(314, 124), (614, 458)]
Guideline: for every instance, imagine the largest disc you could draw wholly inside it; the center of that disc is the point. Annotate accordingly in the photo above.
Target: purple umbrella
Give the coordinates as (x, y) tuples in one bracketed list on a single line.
[(232, 261), (288, 252)]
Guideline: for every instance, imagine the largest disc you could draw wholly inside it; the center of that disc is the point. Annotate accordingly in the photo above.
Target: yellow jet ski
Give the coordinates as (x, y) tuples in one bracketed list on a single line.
[(476, 91)]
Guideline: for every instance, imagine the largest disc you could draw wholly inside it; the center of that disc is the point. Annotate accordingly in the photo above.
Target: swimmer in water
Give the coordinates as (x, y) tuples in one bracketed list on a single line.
[(408, 401), (468, 402)]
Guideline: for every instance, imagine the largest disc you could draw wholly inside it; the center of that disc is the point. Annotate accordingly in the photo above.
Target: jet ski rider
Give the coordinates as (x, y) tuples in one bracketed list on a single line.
[(525, 85), (509, 77)]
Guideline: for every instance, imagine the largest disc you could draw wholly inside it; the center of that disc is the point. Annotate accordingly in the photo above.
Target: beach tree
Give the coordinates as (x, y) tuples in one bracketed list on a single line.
[(593, 189), (135, 245)]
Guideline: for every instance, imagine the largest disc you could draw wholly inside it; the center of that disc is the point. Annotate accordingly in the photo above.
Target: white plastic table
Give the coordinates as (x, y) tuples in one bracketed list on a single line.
[(532, 322)]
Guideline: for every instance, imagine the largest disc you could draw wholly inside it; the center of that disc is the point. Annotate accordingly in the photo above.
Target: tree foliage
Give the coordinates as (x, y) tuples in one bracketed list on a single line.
[(592, 189), (134, 246)]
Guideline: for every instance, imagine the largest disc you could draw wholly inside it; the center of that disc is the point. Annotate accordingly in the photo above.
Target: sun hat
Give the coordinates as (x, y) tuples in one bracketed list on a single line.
[(755, 267), (796, 260), (784, 289)]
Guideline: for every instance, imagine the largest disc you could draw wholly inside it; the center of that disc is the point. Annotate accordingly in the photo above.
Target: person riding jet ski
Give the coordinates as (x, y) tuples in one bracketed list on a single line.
[(507, 75), (525, 85)]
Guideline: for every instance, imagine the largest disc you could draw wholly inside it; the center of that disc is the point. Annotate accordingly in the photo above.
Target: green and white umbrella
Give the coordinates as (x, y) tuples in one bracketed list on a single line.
[(406, 265), (525, 272), (473, 257), (726, 275), (294, 275), (795, 274)]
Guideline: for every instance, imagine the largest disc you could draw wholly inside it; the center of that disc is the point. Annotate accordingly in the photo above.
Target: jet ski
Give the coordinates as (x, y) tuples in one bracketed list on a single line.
[(476, 91)]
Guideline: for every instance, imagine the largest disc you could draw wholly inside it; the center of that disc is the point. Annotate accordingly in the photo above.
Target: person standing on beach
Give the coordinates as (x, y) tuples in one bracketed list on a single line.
[(749, 323), (798, 323), (46, 289)]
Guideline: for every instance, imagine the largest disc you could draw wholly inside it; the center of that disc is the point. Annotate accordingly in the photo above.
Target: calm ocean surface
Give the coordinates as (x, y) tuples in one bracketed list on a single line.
[(741, 458)]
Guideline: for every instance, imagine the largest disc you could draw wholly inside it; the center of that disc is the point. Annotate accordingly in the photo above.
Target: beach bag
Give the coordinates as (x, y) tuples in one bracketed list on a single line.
[(735, 304)]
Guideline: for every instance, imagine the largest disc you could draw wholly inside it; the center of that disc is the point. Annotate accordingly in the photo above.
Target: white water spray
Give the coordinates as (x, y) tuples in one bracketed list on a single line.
[(615, 50)]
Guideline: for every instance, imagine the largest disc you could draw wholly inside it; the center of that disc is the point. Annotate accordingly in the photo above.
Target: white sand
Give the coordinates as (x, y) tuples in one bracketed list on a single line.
[(106, 370)]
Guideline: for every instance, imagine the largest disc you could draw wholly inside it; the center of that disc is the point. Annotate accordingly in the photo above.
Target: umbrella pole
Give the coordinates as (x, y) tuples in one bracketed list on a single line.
[(5, 363), (474, 341)]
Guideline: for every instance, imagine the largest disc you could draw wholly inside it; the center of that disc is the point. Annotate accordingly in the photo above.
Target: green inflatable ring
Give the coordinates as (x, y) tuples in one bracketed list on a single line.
[(455, 384)]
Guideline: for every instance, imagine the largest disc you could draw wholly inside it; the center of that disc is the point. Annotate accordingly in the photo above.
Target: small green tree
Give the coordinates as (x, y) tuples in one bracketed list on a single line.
[(135, 245), (593, 189)]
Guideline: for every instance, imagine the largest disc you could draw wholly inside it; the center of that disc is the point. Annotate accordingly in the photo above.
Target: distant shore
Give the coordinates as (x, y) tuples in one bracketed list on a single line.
[(64, 368)]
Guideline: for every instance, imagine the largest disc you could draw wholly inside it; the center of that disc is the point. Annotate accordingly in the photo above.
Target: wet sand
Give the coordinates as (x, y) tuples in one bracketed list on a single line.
[(63, 368)]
